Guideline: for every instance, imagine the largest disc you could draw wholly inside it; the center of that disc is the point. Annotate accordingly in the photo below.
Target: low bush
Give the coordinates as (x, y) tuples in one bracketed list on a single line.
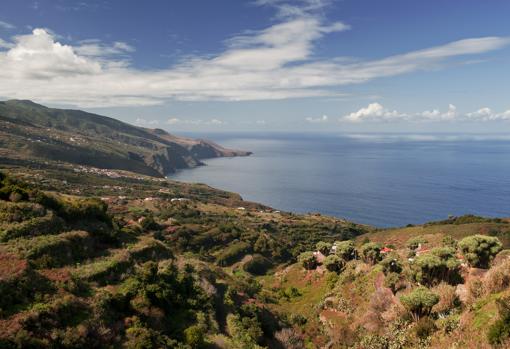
[(334, 263), (497, 278), (307, 260), (448, 299), (371, 252), (500, 330), (345, 250), (392, 264), (414, 242), (323, 247), (233, 253), (257, 265)]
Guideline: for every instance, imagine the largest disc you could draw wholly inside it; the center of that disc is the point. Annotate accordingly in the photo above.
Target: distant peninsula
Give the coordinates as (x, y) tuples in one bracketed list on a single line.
[(33, 133)]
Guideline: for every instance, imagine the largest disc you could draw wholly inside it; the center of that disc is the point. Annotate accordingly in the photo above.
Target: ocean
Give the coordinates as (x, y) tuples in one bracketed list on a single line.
[(378, 179)]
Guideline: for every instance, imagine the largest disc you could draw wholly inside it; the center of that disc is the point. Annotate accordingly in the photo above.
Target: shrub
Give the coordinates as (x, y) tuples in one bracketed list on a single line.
[(500, 330), (345, 250), (258, 265), (476, 289), (323, 247), (440, 264), (479, 250), (393, 282), (148, 223), (413, 243), (334, 263), (425, 327), (194, 336), (420, 301), (307, 260), (245, 332), (289, 339), (371, 252), (289, 293), (448, 299), (391, 264), (233, 253), (497, 278), (449, 241)]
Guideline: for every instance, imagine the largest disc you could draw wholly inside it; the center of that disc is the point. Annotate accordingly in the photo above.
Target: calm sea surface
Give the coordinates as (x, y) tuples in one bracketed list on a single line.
[(383, 180)]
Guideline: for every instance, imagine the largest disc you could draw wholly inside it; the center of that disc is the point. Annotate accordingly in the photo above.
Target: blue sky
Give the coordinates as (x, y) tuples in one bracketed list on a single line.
[(265, 65)]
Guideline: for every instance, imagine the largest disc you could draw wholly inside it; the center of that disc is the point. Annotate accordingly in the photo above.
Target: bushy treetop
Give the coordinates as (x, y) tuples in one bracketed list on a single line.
[(480, 250)]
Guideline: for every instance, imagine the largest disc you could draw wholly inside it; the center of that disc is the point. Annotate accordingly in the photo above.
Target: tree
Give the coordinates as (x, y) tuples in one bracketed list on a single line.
[(323, 247), (440, 264), (420, 301), (480, 250), (334, 263), (307, 260), (371, 252), (194, 336), (413, 243), (391, 264), (345, 250)]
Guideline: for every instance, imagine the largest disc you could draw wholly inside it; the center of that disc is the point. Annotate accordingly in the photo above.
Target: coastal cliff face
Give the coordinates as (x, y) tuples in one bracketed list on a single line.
[(30, 131)]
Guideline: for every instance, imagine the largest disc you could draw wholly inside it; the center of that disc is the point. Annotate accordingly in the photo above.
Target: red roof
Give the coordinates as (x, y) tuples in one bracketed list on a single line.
[(386, 250)]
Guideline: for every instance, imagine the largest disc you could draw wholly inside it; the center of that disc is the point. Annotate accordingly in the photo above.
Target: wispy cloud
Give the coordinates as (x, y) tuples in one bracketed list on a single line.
[(375, 112), (322, 119), (275, 63), (6, 25), (145, 122), (180, 121)]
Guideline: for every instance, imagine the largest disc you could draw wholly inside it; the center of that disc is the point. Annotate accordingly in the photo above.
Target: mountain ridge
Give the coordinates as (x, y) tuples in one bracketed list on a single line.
[(30, 130)]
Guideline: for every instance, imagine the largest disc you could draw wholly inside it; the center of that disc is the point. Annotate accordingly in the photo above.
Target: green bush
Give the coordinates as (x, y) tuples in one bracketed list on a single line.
[(391, 264), (258, 265), (420, 301), (345, 250), (371, 252), (244, 331), (480, 250), (194, 337), (425, 327), (334, 263), (307, 260), (323, 247), (48, 224), (441, 264), (53, 251), (233, 253), (500, 330), (414, 242)]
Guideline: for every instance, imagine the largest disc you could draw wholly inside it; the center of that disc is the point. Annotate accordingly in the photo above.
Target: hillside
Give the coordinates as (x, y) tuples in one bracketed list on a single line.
[(29, 131), (152, 264), (133, 261)]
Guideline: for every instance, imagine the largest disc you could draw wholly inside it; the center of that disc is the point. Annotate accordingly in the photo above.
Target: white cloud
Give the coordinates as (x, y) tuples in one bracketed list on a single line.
[(321, 119), (487, 114), (179, 121), (144, 122), (39, 57), (375, 112), (275, 63), (5, 25), (95, 48)]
